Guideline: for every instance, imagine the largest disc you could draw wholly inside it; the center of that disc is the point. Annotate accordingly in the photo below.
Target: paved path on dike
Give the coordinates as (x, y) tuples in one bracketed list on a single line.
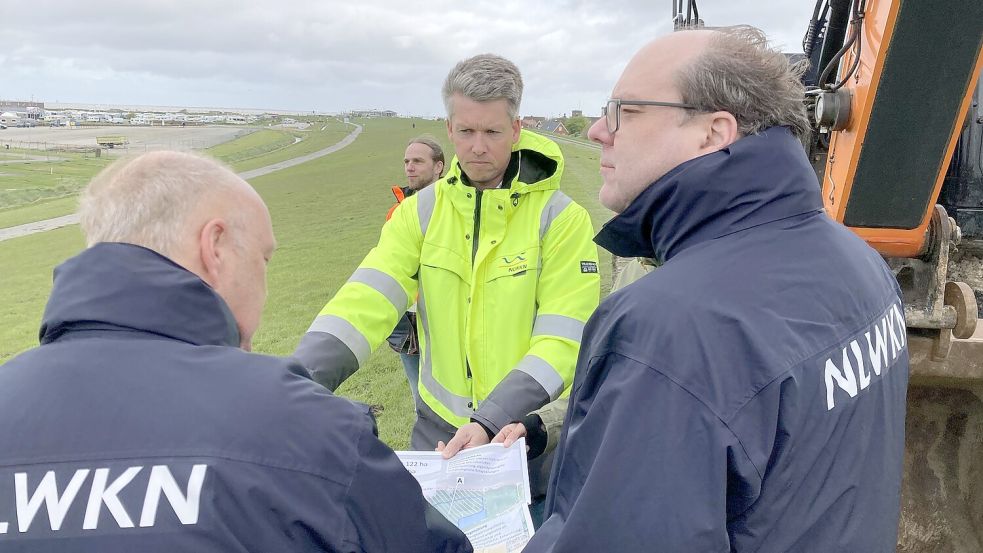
[(73, 219)]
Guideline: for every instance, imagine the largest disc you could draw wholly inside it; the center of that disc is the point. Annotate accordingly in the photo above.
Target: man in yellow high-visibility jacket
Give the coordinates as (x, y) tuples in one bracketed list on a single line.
[(502, 261)]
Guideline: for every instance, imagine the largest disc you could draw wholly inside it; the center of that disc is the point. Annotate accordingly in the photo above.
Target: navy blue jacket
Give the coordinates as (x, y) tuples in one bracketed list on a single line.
[(749, 395), (139, 425)]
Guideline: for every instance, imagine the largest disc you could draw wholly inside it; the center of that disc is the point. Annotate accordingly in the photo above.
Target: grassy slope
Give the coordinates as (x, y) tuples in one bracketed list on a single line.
[(25, 282), (326, 214), (254, 144), (313, 139), (38, 211), (43, 189)]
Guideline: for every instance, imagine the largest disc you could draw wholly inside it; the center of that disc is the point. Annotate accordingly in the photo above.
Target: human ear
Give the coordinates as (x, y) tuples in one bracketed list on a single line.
[(721, 131), (211, 241)]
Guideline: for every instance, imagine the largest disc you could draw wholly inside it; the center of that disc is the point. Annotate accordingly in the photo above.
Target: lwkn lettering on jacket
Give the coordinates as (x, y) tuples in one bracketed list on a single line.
[(68, 500)]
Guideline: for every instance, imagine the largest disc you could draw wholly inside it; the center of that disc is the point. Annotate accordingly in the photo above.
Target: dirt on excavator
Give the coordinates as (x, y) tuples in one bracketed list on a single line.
[(968, 267)]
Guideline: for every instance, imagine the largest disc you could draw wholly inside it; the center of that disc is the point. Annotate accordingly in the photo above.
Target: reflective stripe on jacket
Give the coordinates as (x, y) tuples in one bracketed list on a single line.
[(507, 278)]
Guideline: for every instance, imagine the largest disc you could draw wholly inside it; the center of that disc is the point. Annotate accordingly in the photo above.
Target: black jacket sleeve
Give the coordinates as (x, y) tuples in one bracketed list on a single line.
[(388, 510)]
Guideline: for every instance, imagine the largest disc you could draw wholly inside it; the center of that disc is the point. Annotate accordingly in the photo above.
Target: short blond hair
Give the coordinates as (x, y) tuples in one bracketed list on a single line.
[(484, 78)]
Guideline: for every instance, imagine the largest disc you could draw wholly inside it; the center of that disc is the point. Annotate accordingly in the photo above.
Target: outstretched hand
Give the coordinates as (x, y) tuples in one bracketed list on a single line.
[(510, 433), (468, 436)]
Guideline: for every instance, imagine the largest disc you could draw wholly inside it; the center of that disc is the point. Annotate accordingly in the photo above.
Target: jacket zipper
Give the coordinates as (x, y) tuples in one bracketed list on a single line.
[(477, 226), (474, 245)]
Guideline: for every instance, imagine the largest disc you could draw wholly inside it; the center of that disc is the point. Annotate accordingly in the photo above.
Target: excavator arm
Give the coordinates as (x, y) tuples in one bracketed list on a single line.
[(895, 93)]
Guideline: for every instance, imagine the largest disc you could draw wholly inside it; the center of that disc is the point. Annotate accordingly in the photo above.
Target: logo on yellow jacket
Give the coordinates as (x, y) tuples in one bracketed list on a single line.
[(514, 263)]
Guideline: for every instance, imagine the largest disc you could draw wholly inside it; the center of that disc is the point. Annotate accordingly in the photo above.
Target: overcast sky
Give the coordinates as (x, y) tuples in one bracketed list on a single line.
[(331, 56)]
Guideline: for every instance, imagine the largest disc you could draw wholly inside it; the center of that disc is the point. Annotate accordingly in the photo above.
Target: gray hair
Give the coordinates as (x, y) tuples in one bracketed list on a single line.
[(485, 78), (148, 200), (436, 152), (738, 73)]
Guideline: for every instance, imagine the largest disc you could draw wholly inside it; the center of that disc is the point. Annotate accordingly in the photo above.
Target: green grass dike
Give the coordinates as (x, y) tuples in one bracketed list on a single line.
[(253, 145), (327, 214), (37, 185), (267, 146)]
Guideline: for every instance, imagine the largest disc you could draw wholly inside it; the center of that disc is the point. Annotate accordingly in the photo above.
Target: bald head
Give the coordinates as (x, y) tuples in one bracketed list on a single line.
[(194, 211), (653, 69), (728, 84)]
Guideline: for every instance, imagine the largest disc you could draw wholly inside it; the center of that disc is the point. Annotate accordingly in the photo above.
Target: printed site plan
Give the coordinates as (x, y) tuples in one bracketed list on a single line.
[(484, 491)]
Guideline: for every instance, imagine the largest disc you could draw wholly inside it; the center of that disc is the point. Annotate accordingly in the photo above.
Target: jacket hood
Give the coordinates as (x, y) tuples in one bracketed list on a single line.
[(536, 164), (115, 286), (756, 180)]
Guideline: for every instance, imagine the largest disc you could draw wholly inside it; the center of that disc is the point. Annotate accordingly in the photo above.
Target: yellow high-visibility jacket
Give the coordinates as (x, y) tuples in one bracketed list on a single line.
[(506, 279)]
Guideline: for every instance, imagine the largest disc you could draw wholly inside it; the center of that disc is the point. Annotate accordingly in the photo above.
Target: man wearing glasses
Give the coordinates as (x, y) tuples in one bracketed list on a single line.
[(749, 394)]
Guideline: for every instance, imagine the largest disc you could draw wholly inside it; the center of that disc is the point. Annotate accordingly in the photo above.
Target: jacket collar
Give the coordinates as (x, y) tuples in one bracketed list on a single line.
[(756, 180), (536, 164), (119, 286)]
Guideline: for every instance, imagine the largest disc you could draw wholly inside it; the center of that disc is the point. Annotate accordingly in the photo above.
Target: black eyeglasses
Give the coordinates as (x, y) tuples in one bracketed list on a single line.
[(612, 110)]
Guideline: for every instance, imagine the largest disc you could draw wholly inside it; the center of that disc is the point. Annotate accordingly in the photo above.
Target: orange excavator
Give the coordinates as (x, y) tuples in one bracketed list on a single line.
[(895, 92)]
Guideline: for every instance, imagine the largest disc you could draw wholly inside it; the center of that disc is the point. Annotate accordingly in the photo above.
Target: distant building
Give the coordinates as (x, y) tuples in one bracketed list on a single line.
[(373, 113), (554, 126), (9, 119), (23, 110), (531, 122), (576, 113)]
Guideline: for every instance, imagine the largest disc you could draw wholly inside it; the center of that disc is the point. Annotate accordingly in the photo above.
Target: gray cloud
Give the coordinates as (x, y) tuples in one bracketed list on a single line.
[(331, 55)]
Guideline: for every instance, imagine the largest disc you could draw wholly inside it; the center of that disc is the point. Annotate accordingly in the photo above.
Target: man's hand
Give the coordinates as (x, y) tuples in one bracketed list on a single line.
[(468, 436), (510, 433)]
